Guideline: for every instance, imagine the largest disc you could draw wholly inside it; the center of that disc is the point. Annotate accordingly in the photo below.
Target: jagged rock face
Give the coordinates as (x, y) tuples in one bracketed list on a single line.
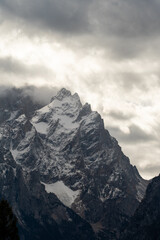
[(40, 214), (145, 224), (67, 144)]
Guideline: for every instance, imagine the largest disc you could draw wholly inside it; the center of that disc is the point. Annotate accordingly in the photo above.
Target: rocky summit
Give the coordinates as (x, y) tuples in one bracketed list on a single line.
[(63, 172)]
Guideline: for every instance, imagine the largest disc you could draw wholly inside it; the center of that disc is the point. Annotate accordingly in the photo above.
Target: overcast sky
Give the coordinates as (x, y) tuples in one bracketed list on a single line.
[(107, 51)]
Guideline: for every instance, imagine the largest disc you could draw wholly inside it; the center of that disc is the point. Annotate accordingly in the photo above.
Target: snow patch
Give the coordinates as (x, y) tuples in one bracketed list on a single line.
[(40, 127), (68, 123), (13, 115), (21, 118), (66, 195), (16, 154)]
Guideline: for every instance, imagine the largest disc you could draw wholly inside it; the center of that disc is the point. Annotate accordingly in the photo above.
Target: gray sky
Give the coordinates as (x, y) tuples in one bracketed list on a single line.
[(107, 51)]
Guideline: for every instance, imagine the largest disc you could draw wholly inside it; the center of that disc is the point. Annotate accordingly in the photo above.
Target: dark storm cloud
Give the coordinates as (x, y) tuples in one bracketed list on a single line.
[(136, 135), (125, 27), (132, 19), (10, 65), (130, 25), (118, 115), (62, 15)]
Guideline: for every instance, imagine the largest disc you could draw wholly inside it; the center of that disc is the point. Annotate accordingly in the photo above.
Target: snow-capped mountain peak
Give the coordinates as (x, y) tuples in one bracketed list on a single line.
[(66, 142), (62, 113)]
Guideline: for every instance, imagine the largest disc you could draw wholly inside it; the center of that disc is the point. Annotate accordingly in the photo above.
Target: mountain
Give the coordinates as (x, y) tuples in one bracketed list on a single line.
[(75, 158), (145, 224), (40, 215)]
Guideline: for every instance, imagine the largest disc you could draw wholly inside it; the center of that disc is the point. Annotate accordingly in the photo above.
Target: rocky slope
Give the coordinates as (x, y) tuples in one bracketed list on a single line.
[(145, 224), (75, 158), (40, 215)]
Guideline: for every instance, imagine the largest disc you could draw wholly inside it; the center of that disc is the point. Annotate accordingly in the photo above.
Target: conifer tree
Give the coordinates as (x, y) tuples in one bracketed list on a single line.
[(8, 228)]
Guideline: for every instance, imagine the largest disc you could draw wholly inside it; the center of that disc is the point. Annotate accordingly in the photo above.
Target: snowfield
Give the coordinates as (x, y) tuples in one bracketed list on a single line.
[(66, 195)]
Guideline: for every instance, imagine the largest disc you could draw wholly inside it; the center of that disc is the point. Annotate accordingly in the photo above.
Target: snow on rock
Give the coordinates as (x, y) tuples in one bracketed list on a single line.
[(40, 127), (14, 153), (64, 110), (66, 195), (1, 134), (13, 115), (21, 118)]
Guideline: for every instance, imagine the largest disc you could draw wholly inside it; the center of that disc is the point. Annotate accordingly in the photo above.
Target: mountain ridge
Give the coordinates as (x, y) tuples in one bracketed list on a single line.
[(67, 142), (145, 224)]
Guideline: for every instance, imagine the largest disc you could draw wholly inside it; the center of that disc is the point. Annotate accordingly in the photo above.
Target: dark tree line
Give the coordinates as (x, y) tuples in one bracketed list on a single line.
[(8, 221)]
